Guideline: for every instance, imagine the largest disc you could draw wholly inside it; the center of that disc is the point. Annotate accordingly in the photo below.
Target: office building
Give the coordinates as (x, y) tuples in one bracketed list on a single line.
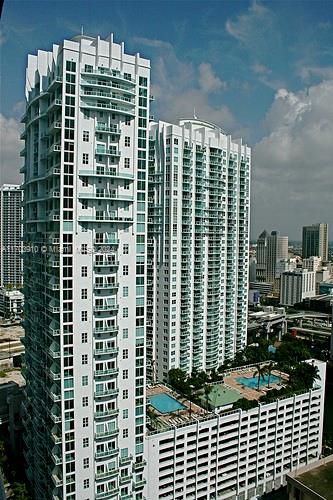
[(233, 453), (198, 230), (272, 254), (312, 263), (11, 232), (261, 256), (315, 241), (296, 286), (86, 129)]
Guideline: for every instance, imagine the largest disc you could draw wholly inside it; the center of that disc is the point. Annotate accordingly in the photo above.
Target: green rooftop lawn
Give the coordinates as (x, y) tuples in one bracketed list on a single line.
[(221, 396)]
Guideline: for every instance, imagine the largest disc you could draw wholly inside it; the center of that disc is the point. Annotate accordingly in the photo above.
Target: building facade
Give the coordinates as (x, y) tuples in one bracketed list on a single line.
[(296, 286), (198, 230), (315, 241), (11, 303), (11, 233), (85, 182), (237, 454), (272, 255)]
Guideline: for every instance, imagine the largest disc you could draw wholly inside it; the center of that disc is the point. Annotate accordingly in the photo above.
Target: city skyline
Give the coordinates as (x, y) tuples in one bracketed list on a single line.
[(235, 64)]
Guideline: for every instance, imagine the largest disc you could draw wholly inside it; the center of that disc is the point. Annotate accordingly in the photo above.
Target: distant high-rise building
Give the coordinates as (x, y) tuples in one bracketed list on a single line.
[(11, 232), (315, 241), (296, 286), (271, 249), (261, 256), (198, 231), (86, 133)]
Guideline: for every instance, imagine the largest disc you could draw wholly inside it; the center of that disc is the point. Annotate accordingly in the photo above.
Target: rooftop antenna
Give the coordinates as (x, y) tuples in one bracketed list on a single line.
[(194, 116)]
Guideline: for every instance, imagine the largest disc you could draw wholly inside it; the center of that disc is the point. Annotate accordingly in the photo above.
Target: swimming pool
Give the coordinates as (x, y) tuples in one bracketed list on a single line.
[(165, 403), (252, 382)]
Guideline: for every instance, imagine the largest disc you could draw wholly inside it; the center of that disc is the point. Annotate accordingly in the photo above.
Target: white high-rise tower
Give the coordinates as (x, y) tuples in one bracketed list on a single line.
[(86, 129), (11, 197), (198, 230)]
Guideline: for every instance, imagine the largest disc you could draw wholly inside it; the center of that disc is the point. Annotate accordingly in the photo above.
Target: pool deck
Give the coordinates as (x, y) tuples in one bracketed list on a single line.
[(177, 417), (230, 380)]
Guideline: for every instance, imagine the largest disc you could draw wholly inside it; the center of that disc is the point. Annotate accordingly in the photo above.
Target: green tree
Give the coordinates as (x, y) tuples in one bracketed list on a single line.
[(260, 372), (20, 491), (177, 379), (3, 456), (269, 368), (303, 376)]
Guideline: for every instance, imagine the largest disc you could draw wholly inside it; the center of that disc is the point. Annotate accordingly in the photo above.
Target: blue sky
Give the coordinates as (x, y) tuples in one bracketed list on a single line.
[(261, 70)]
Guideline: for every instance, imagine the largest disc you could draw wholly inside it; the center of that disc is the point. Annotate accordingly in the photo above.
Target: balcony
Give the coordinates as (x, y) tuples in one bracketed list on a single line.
[(107, 350), (107, 172), (106, 453), (113, 75), (107, 152), (106, 494), (106, 329), (106, 434), (107, 195), (107, 392), (125, 460), (104, 373), (107, 286), (105, 217), (102, 128), (106, 308), (128, 111), (106, 413), (101, 476)]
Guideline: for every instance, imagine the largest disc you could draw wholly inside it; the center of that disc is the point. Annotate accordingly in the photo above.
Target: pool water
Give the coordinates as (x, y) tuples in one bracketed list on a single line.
[(165, 403), (252, 382)]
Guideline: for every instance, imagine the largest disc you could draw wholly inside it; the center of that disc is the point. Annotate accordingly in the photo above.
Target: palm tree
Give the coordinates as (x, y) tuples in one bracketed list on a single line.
[(261, 372), (269, 369)]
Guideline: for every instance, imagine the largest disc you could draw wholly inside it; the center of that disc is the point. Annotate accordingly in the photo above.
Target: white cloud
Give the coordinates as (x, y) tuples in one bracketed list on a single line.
[(180, 88), (152, 42), (322, 72), (208, 81), (10, 147), (261, 69), (251, 26), (293, 173)]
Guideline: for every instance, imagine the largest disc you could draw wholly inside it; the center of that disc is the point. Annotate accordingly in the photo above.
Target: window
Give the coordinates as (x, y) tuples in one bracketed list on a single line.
[(125, 393), (85, 158), (125, 374), (125, 333), (125, 312), (85, 442), (127, 141), (86, 484), (84, 293), (84, 315), (127, 120), (85, 401), (84, 271), (125, 291), (125, 249), (126, 184), (85, 137), (85, 421), (71, 66), (127, 163), (86, 463), (125, 270), (84, 359), (125, 413), (84, 338), (125, 353), (84, 380), (125, 433), (84, 249)]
